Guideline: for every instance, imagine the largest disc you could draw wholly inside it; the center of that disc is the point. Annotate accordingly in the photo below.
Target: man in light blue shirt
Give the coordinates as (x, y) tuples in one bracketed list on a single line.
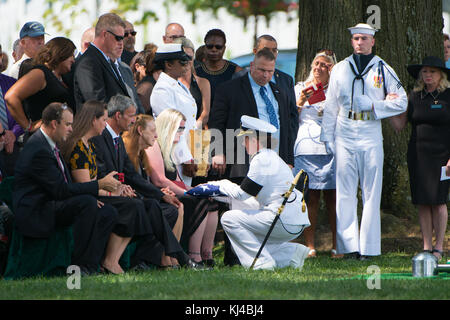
[(261, 104)]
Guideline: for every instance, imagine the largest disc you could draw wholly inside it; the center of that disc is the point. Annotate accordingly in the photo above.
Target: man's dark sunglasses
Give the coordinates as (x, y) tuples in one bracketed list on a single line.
[(118, 38), (217, 46), (131, 33)]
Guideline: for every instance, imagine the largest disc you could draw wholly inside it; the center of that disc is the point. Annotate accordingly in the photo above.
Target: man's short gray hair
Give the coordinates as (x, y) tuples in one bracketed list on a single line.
[(108, 21), (119, 103), (16, 45), (185, 42)]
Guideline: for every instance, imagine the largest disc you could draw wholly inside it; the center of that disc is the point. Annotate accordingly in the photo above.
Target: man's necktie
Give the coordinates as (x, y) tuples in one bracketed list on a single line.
[(60, 164), (269, 106), (3, 115), (116, 145), (116, 71)]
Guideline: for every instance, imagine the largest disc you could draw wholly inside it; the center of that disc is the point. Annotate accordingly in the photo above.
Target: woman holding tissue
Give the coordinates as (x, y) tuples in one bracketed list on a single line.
[(310, 154), (429, 148)]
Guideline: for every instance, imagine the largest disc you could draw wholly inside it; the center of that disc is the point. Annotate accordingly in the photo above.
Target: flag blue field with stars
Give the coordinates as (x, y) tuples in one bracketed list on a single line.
[(205, 191)]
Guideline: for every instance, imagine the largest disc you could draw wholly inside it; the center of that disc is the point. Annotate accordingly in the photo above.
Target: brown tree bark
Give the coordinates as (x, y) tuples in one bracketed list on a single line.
[(409, 31)]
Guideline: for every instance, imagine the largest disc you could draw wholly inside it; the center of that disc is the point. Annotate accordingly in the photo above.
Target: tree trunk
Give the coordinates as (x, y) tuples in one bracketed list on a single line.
[(409, 30)]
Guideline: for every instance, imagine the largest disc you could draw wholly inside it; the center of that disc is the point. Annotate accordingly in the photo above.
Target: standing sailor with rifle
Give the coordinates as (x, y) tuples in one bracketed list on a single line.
[(362, 90), (273, 222)]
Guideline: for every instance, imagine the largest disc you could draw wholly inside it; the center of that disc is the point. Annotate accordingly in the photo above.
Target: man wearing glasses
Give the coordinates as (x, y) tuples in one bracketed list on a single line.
[(96, 75), (173, 31), (128, 43)]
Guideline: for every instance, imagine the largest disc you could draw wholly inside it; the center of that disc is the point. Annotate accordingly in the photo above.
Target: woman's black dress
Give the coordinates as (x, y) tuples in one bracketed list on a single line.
[(54, 91), (216, 77), (429, 146)]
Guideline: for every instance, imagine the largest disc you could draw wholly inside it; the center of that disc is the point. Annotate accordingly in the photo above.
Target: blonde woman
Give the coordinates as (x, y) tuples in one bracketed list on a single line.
[(310, 154), (429, 148), (155, 162)]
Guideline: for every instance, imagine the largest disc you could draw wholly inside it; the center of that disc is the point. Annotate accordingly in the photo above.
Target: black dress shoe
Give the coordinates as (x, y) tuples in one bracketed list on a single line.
[(352, 255), (142, 266), (232, 262), (87, 271), (209, 262), (364, 258)]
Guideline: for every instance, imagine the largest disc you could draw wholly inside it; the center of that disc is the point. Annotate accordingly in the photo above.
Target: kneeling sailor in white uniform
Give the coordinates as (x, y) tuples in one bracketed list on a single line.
[(268, 179)]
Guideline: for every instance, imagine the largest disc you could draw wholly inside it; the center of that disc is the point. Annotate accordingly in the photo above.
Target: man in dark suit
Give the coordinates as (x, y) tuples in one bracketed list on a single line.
[(246, 99), (162, 208), (127, 76), (45, 198), (280, 78), (95, 76)]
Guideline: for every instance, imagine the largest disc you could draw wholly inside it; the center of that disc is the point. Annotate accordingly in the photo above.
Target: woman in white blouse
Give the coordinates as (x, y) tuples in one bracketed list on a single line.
[(310, 154)]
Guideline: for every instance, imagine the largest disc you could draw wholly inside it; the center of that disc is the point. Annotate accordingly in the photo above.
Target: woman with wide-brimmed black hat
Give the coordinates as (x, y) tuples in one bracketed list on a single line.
[(429, 148)]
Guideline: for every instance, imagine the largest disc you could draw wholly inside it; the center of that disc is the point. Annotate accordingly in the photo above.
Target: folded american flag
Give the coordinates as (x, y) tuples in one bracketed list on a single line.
[(205, 191)]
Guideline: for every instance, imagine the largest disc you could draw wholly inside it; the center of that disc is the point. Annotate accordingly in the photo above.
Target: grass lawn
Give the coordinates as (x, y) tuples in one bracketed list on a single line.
[(321, 278)]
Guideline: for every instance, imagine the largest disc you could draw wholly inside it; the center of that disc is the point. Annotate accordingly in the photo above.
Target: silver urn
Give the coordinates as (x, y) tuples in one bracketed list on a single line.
[(424, 264)]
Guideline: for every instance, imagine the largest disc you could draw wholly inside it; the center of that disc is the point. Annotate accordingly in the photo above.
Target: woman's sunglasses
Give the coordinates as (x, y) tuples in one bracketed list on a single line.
[(217, 46)]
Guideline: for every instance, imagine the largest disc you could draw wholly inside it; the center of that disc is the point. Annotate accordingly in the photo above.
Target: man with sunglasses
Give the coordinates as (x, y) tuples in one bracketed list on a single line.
[(280, 78), (128, 43), (362, 90), (96, 75), (170, 93)]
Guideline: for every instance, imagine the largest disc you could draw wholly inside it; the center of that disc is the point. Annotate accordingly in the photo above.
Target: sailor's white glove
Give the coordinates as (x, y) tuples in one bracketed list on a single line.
[(329, 147), (363, 103), (227, 187)]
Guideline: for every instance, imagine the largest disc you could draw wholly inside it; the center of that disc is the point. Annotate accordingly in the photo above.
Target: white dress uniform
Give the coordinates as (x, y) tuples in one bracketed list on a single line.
[(268, 178), (359, 148), (171, 93)]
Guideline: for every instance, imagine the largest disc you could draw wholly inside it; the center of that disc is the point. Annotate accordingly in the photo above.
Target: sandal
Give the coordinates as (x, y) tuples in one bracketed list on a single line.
[(312, 253), (438, 252), (334, 254)]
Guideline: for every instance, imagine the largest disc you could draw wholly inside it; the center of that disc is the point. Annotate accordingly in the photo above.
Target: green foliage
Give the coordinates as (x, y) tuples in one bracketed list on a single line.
[(74, 10), (242, 9)]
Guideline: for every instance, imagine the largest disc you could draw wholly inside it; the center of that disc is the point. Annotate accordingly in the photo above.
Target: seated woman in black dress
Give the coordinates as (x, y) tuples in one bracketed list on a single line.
[(199, 87), (429, 148), (43, 84), (153, 159), (79, 153)]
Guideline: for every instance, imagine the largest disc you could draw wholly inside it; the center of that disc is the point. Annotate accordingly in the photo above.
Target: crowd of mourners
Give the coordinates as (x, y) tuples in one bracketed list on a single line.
[(100, 147)]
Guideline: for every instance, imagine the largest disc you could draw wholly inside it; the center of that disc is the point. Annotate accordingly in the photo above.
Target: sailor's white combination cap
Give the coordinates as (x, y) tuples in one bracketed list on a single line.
[(250, 125), (171, 51), (363, 28)]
